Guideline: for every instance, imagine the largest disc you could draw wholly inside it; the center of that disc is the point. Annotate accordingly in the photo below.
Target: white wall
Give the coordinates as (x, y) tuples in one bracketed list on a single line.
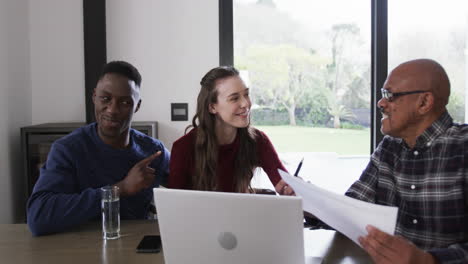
[(15, 104), (57, 61), (173, 44)]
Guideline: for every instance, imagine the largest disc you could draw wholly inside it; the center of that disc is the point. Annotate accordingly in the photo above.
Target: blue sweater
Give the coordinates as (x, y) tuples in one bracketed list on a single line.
[(67, 192)]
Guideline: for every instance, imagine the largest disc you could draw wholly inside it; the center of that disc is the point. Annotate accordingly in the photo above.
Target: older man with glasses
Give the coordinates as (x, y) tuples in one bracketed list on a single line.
[(420, 167)]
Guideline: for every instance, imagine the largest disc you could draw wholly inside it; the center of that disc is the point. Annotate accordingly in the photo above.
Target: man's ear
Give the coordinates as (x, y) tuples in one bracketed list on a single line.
[(138, 106), (426, 103)]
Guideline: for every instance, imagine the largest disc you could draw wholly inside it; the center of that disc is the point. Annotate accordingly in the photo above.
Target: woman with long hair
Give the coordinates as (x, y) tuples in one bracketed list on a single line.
[(222, 150)]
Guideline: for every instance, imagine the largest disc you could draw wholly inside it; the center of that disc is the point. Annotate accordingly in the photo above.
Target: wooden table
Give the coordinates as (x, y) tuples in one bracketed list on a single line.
[(85, 245)]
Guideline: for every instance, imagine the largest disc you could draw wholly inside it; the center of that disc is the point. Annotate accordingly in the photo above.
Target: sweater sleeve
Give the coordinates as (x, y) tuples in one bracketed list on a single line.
[(55, 204), (179, 166), (269, 160)]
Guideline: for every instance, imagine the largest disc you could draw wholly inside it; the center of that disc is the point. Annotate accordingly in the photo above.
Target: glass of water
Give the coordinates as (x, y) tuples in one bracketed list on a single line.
[(110, 207)]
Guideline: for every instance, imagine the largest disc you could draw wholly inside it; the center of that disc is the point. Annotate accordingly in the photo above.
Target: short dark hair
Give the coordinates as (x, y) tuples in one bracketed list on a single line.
[(123, 68)]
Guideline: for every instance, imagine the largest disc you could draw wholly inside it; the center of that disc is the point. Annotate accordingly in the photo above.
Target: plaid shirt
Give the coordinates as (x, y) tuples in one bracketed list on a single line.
[(429, 185)]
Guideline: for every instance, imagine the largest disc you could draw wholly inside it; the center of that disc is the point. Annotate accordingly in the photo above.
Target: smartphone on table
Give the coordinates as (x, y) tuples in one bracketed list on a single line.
[(149, 244)]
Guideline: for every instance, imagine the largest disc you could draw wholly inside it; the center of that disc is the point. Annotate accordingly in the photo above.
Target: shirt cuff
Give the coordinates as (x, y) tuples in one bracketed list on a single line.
[(448, 255)]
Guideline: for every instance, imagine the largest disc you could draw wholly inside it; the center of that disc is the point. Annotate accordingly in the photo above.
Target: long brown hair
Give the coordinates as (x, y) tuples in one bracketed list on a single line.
[(206, 144)]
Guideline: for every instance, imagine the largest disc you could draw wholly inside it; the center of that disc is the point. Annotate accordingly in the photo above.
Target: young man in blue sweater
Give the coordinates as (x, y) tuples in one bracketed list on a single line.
[(107, 152)]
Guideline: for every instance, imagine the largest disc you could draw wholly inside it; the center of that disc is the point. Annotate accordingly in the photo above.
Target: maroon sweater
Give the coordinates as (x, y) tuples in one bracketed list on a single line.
[(182, 161)]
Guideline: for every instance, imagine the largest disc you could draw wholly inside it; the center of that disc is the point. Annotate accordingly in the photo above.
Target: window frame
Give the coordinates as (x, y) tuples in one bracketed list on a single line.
[(95, 49)]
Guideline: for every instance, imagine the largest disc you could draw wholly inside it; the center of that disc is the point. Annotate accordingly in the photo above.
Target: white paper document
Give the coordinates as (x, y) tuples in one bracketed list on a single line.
[(347, 215)]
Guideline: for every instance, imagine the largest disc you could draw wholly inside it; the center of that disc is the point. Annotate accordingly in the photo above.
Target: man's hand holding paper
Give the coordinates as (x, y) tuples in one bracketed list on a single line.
[(385, 248), (347, 215)]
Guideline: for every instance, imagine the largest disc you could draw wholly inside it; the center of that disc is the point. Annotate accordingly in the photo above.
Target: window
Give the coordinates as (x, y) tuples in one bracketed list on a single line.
[(440, 33), (262, 37), (307, 65)]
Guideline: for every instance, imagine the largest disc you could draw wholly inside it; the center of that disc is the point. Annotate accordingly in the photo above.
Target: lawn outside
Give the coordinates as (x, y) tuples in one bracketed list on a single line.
[(317, 139)]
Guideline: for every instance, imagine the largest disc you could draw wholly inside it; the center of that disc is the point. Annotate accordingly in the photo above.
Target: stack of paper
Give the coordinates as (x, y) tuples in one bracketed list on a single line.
[(347, 215)]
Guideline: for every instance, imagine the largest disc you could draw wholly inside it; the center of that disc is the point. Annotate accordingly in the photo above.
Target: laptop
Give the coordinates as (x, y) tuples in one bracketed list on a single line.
[(230, 228)]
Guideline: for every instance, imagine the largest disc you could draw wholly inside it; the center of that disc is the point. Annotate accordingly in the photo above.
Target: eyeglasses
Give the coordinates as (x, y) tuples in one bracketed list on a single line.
[(392, 96)]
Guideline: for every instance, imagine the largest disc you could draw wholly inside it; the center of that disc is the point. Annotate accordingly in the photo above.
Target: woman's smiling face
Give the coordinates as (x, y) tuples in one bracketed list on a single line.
[(233, 103)]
